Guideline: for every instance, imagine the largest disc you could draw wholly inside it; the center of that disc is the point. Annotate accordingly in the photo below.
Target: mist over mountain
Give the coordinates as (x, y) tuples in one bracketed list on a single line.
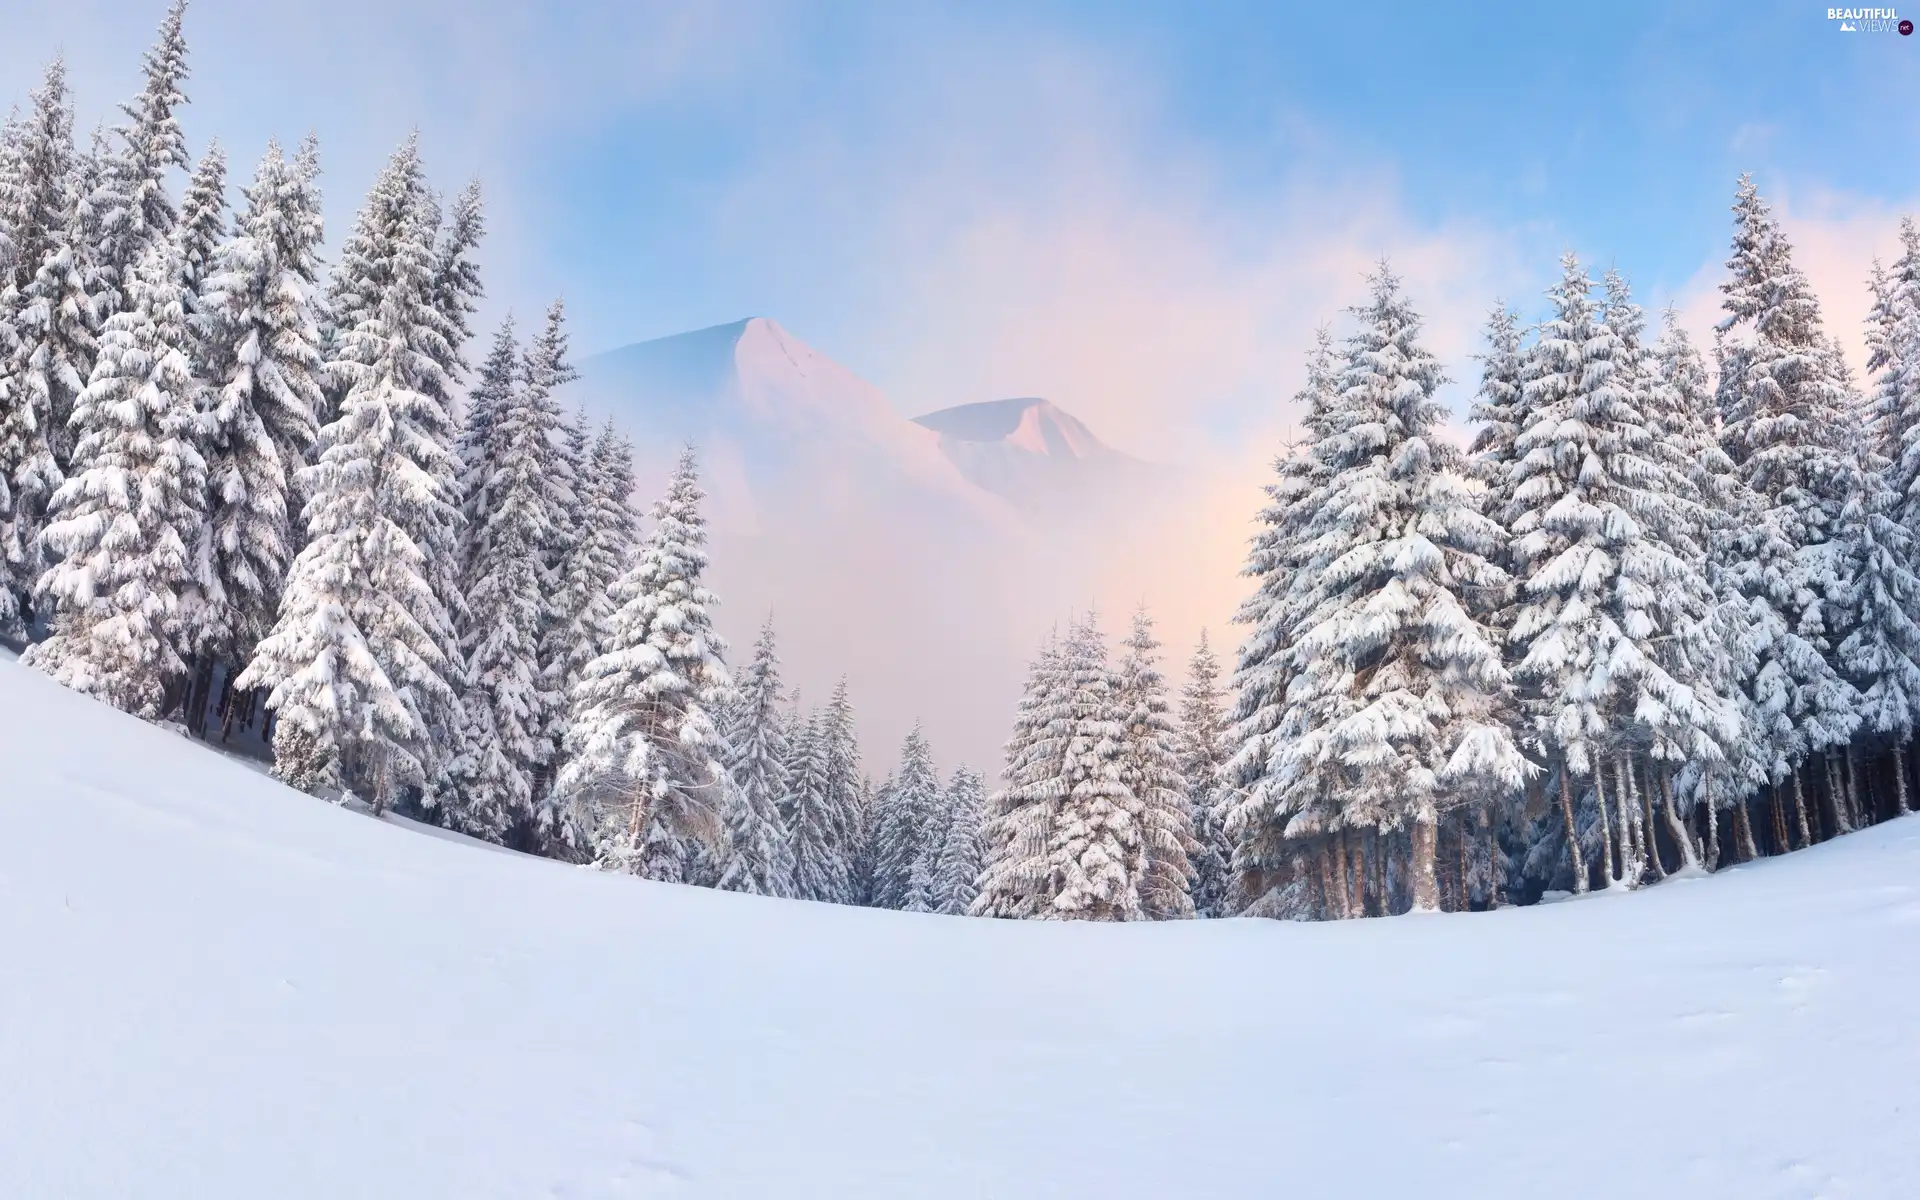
[(925, 558)]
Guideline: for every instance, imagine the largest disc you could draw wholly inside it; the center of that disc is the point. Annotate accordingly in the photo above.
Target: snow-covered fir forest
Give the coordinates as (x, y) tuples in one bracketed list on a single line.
[(1656, 616)]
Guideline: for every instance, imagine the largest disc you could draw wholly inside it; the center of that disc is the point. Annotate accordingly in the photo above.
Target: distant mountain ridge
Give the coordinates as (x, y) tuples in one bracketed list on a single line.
[(765, 406), (1032, 452)]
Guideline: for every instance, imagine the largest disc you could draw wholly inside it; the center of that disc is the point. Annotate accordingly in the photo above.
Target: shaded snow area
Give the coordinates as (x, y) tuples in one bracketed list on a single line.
[(215, 987)]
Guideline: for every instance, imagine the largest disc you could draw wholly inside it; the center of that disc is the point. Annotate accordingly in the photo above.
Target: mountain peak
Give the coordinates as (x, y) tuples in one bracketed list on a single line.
[(1024, 423)]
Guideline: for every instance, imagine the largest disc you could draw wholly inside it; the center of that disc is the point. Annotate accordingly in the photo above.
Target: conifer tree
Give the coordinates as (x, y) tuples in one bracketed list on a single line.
[(1783, 423), (957, 873), (260, 341), (399, 335), (203, 221), (130, 198), (600, 547), (1894, 358), (758, 854), (1500, 407), (1396, 711), (1270, 821), (1097, 848), (491, 391), (907, 817), (1878, 602), (123, 523), (1705, 494), (820, 868), (644, 770), (45, 337), (1151, 772), (358, 663), (456, 277), (1017, 880), (511, 702), (875, 799), (1605, 566), (848, 795), (1202, 761)]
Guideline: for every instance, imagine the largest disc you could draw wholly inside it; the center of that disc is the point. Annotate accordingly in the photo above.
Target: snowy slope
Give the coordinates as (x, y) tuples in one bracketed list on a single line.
[(217, 988)]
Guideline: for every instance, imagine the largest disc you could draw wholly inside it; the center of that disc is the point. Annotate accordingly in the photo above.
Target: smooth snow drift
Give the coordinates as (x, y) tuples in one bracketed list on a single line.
[(215, 987)]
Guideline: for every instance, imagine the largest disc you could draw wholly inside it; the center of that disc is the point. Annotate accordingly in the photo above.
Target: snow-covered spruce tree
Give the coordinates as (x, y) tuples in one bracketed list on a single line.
[(643, 770), (1680, 414), (260, 341), (1894, 359), (1269, 826), (507, 703), (203, 222), (1017, 879), (1878, 606), (847, 793), (456, 277), (399, 335), (1606, 567), (38, 208), (499, 376), (1151, 771), (544, 370), (819, 859), (511, 702), (758, 853), (357, 665), (1097, 848), (1783, 423), (124, 522), (585, 595), (1396, 711), (1202, 760), (911, 810), (957, 871), (1500, 406), (875, 799), (130, 200)]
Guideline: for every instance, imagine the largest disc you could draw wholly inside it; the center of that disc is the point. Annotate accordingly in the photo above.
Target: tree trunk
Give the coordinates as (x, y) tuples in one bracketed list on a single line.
[(1573, 832), (1858, 798), (1713, 834), (1800, 812), (1778, 817), (1646, 822), (1496, 863), (1836, 800), (1682, 836), (1376, 873), (1900, 779), (1743, 833), (1630, 857), (1324, 859), (1426, 887), (1351, 874), (1606, 828), (1642, 830), (1466, 891)]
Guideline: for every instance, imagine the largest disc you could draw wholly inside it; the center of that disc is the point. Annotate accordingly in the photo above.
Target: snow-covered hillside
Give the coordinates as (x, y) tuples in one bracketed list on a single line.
[(215, 987)]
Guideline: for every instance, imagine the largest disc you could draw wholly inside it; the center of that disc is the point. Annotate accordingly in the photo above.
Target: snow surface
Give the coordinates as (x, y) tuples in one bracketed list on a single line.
[(216, 987)]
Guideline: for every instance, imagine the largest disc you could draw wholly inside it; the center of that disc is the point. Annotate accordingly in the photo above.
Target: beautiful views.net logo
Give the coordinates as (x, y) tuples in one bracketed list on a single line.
[(1869, 20)]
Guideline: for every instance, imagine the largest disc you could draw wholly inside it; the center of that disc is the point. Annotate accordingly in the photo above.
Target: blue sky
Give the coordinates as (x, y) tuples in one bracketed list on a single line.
[(1138, 209)]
